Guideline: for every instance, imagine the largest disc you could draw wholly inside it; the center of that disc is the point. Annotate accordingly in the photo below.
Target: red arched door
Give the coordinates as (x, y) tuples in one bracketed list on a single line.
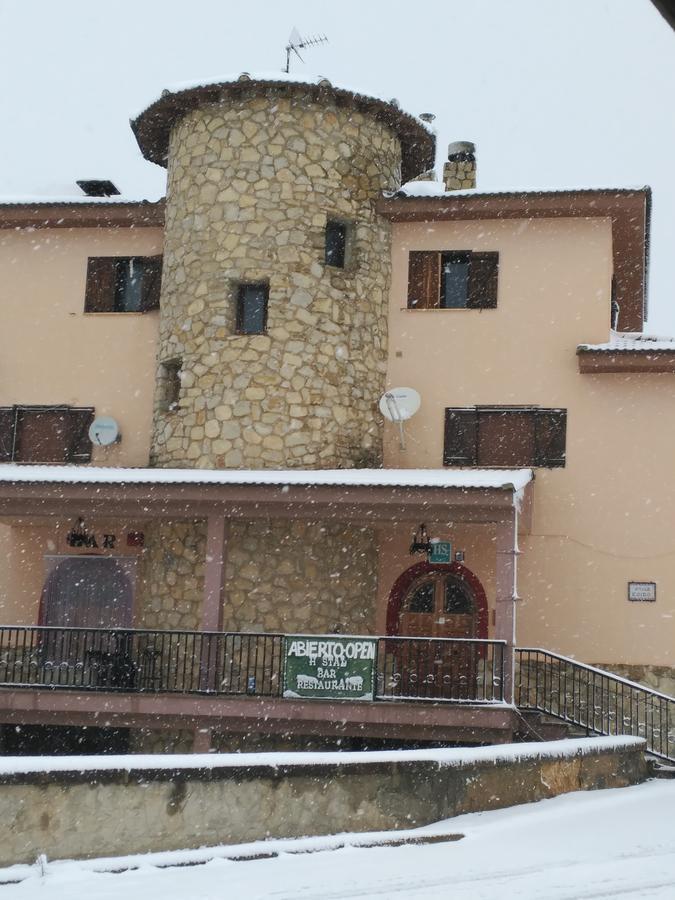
[(428, 605)]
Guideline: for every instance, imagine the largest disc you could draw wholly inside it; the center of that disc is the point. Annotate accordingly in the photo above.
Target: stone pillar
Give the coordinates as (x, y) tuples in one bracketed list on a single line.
[(459, 172), (507, 596)]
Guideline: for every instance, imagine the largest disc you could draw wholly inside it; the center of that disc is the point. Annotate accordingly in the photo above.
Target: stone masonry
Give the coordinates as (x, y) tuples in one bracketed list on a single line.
[(252, 182), (280, 576)]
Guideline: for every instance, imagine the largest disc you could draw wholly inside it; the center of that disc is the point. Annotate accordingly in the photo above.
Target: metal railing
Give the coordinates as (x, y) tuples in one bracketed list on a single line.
[(194, 662), (597, 701)]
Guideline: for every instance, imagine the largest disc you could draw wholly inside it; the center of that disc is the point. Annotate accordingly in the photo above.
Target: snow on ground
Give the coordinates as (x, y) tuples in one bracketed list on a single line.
[(603, 844)]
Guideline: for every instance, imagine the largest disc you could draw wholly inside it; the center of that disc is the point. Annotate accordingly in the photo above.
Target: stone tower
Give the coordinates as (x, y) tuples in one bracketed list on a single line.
[(261, 175)]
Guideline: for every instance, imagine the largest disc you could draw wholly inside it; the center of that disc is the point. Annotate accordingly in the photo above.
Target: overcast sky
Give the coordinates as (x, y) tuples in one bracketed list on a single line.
[(573, 94)]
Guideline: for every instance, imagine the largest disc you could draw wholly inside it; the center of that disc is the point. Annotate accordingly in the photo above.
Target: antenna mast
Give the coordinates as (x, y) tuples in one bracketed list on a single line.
[(296, 42)]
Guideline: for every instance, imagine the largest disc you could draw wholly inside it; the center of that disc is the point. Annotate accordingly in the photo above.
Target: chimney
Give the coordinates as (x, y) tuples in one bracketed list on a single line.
[(459, 172)]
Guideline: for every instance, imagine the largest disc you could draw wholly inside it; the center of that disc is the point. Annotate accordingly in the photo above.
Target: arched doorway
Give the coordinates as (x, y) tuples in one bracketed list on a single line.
[(87, 592), (429, 604), (437, 600)]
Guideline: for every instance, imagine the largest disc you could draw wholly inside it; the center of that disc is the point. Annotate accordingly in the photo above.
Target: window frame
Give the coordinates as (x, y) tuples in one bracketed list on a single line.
[(426, 279), (103, 282), (77, 445), (241, 289), (463, 434)]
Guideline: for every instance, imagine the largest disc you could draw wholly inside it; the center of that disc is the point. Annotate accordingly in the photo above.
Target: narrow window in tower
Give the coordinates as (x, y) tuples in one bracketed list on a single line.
[(170, 384), (252, 308), (336, 244)]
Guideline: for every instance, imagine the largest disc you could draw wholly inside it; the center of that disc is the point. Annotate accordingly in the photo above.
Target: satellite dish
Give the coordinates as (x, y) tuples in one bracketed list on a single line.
[(104, 431), (400, 404)]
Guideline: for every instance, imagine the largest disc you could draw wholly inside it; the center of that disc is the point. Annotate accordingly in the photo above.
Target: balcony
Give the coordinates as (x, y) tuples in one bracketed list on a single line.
[(420, 688)]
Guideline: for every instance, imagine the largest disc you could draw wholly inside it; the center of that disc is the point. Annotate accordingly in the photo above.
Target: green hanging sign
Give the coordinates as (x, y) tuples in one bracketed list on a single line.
[(336, 668)]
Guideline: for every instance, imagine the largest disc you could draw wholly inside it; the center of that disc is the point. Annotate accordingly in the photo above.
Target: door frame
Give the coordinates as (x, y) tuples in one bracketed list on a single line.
[(406, 580)]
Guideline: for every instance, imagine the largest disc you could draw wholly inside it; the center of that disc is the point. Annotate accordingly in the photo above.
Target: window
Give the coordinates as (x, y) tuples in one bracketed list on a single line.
[(336, 244), (170, 384), (123, 283), (505, 436), (45, 434), (252, 308), (452, 280)]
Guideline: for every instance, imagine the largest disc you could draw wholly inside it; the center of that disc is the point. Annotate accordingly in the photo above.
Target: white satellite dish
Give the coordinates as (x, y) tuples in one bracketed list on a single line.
[(104, 431), (398, 405)]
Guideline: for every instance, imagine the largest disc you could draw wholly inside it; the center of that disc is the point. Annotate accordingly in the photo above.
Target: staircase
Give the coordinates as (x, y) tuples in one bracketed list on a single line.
[(553, 687)]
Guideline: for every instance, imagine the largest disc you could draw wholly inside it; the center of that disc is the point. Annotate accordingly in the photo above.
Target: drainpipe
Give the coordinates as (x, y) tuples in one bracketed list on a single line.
[(507, 595)]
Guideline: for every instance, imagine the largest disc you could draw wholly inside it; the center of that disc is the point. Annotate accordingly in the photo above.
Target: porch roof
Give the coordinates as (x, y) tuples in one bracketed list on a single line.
[(469, 494)]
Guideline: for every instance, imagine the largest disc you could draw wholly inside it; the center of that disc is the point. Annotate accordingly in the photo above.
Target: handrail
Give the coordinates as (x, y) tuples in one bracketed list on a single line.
[(594, 699), (450, 670), (580, 665)]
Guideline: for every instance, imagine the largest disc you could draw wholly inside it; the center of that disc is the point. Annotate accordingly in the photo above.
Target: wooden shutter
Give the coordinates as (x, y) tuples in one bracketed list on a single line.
[(550, 430), (152, 280), (505, 437), (79, 444), (461, 437), (42, 434), (483, 280), (424, 279), (101, 279), (6, 433)]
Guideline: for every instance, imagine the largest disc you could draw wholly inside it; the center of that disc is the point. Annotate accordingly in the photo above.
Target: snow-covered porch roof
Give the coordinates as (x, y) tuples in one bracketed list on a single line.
[(373, 494)]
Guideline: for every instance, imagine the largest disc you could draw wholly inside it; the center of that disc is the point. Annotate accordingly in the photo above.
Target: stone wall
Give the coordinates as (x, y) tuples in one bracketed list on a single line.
[(251, 185), (130, 807), (319, 577), (658, 678)]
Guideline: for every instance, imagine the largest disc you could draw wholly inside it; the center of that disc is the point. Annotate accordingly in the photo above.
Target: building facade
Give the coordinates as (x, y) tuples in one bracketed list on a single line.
[(240, 335)]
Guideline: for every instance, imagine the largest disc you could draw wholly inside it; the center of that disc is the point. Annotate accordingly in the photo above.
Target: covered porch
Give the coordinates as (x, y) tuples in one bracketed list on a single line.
[(224, 672)]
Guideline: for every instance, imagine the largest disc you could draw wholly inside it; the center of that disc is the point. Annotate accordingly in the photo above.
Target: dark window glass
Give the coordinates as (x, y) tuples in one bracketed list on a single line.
[(336, 244), (252, 308), (170, 384), (456, 598), (455, 281), (422, 599)]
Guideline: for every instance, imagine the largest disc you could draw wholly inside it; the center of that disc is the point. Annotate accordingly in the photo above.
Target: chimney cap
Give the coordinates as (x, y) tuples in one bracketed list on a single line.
[(98, 187), (461, 150), (427, 117)]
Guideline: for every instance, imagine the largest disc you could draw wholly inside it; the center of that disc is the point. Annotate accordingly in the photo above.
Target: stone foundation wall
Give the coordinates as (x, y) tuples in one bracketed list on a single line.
[(108, 810), (286, 576), (659, 678), (252, 182)]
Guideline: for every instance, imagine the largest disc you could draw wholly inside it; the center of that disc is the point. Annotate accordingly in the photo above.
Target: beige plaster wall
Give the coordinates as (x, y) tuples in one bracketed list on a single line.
[(607, 517), (24, 550), (52, 352)]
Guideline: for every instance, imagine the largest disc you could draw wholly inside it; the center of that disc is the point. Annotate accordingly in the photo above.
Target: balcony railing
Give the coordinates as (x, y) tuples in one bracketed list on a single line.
[(213, 663)]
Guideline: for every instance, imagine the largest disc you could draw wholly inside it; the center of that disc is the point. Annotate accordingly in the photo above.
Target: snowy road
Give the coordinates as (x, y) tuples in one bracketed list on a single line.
[(605, 844)]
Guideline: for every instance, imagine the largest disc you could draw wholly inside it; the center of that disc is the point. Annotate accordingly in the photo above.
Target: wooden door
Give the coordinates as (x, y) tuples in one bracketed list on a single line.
[(439, 605)]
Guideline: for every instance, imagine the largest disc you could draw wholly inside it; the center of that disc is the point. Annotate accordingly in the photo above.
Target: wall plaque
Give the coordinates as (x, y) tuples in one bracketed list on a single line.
[(330, 667), (642, 590)]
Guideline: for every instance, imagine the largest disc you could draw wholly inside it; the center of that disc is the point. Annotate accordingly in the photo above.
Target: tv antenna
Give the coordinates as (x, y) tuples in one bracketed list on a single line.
[(398, 405), (296, 43)]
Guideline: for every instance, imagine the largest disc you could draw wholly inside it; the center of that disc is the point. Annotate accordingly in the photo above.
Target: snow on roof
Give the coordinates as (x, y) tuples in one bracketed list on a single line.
[(78, 199), (505, 479), (277, 78), (627, 342), (24, 765), (437, 189)]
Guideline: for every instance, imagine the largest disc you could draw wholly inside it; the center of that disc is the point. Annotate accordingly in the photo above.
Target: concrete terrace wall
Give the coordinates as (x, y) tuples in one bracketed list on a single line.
[(87, 807)]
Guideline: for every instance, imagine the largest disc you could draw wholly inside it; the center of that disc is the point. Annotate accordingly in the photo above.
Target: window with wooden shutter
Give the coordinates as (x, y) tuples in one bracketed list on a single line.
[(152, 281), (7, 416), (45, 434), (123, 284), (452, 279), (424, 279), (461, 437), (506, 437), (550, 437), (483, 279)]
